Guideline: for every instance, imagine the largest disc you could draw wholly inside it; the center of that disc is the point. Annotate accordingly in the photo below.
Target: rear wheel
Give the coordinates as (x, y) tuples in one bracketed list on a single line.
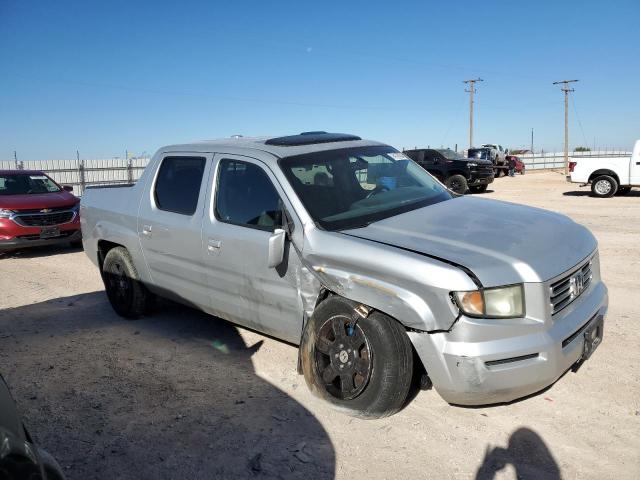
[(367, 370), (604, 186), (478, 189), (457, 183), (127, 295)]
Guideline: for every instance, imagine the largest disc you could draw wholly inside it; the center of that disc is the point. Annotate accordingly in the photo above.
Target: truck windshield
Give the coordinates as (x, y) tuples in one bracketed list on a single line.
[(450, 154), (353, 187), (479, 153), (26, 183)]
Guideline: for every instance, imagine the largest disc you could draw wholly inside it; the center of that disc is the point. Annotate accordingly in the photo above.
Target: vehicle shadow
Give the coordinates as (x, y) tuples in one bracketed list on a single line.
[(587, 193), (173, 395), (43, 251), (526, 452), (480, 193)]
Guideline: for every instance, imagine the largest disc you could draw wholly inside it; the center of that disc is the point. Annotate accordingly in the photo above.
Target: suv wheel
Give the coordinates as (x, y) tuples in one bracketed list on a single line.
[(457, 183), (367, 370), (604, 186), (127, 295), (478, 189)]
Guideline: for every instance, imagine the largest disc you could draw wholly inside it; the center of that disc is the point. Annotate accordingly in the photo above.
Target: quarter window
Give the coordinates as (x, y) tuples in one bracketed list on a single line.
[(245, 196), (178, 184)]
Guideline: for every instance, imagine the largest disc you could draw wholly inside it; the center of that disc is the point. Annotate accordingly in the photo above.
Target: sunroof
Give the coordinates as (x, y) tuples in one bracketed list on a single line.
[(310, 138)]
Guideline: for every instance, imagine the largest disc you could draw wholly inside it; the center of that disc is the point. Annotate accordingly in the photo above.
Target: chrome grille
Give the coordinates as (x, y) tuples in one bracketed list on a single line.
[(570, 287), (44, 219)]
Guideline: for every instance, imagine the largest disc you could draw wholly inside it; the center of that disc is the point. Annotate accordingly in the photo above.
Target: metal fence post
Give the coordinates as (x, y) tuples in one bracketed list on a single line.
[(81, 175), (130, 171)]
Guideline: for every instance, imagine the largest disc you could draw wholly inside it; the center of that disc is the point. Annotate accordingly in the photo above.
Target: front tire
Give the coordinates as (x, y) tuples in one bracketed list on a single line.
[(457, 183), (126, 293), (368, 372), (604, 186)]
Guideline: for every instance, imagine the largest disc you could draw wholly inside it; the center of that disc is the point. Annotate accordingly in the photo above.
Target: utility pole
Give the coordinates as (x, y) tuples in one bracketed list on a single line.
[(565, 88), (472, 90), (532, 141)]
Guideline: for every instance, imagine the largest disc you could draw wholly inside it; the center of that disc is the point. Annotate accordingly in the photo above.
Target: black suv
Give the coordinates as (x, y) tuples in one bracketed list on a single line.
[(456, 172)]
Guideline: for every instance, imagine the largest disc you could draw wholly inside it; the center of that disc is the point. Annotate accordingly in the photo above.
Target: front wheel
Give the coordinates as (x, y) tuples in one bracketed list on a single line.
[(126, 294), (604, 186), (457, 183), (366, 370), (478, 189)]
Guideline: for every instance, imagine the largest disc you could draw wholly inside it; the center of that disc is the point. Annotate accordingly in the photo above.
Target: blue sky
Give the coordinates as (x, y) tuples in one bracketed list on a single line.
[(102, 77)]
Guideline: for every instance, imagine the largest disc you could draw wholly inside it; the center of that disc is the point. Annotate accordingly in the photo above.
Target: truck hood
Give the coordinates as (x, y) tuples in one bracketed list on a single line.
[(38, 200), (501, 243)]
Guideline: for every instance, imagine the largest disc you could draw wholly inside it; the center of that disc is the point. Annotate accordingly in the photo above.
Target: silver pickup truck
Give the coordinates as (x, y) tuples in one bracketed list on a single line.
[(355, 253)]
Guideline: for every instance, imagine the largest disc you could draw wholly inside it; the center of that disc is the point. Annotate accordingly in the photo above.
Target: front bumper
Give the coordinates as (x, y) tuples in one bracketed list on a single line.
[(14, 236), (22, 242), (473, 181), (500, 368)]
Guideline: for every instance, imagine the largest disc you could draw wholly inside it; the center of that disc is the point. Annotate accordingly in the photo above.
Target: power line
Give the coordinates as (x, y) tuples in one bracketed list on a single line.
[(575, 110)]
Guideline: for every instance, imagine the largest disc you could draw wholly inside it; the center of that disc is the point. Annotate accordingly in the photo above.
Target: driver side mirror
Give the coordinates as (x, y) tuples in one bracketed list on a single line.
[(276, 248), (67, 188)]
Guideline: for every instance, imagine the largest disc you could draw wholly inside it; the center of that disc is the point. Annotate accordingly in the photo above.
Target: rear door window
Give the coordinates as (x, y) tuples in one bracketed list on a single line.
[(245, 195), (178, 184)]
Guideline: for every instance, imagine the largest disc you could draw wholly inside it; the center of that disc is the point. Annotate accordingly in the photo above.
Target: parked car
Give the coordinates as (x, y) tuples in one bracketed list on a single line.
[(520, 166), (608, 176), (351, 250), (35, 210), (488, 152), (20, 458), (459, 174)]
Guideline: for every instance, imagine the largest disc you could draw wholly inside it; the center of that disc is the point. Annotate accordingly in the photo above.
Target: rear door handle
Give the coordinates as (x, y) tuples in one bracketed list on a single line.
[(146, 230), (214, 245)]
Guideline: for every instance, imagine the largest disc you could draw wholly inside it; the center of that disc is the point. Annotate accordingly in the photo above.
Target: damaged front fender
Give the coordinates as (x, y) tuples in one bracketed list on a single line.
[(403, 305)]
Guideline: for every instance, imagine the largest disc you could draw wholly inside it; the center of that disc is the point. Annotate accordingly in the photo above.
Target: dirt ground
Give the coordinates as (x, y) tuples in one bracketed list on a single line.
[(183, 395)]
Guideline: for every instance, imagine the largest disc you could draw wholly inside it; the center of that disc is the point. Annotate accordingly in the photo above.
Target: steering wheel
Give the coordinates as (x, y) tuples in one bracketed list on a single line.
[(377, 190)]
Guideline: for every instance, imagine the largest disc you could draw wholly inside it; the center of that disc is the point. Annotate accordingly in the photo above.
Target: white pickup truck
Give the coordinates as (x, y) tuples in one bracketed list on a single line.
[(608, 176)]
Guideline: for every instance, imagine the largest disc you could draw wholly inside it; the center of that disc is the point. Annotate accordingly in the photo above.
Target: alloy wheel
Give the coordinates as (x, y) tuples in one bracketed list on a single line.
[(343, 358)]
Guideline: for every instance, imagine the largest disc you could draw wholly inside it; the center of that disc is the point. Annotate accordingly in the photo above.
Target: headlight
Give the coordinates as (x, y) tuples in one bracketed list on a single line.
[(6, 213), (499, 302)]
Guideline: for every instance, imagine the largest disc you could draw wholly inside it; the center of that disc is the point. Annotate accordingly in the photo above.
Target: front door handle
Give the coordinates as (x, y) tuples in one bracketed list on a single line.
[(214, 245), (146, 230)]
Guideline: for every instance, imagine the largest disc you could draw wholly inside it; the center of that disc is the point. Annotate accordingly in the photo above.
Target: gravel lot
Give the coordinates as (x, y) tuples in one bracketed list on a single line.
[(182, 395)]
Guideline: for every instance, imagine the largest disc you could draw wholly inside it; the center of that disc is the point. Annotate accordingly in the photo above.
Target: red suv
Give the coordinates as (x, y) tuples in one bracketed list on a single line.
[(35, 210)]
